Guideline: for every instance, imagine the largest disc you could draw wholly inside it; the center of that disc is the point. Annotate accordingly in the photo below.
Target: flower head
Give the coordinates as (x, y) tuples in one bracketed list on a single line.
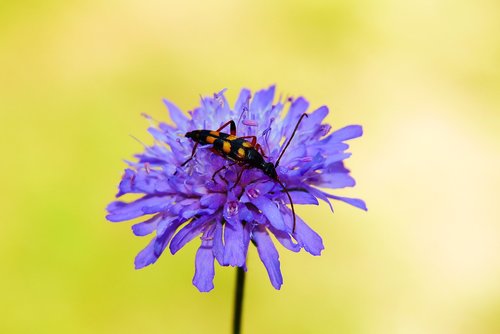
[(208, 198)]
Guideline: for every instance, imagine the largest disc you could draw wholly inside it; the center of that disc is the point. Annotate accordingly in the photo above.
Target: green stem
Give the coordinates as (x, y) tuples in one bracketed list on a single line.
[(238, 299)]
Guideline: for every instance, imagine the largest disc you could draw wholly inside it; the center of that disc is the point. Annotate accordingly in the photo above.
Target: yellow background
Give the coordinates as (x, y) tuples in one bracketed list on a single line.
[(422, 77)]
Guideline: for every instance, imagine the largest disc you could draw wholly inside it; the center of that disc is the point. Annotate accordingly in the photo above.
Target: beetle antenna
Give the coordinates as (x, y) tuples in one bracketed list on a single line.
[(289, 140), (291, 203)]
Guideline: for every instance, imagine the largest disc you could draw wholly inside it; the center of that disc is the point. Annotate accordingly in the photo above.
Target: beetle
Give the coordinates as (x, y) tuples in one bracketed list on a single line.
[(241, 151)]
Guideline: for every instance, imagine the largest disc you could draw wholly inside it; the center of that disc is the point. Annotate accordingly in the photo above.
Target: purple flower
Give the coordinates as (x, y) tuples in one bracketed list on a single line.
[(181, 203)]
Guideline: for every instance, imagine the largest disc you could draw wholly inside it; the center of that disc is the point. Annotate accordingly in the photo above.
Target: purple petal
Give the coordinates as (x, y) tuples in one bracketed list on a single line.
[(146, 227), (176, 115), (319, 194), (213, 200), (271, 211), (259, 189), (298, 107), (330, 147), (126, 183), (188, 233), (242, 101), (302, 197), (348, 132), (245, 215), (263, 100), (317, 116), (120, 211), (307, 238), (163, 239), (246, 240), (285, 239), (158, 134), (359, 203), (147, 256), (218, 245), (167, 222), (234, 252), (336, 180), (204, 267), (336, 157), (312, 124), (268, 255)]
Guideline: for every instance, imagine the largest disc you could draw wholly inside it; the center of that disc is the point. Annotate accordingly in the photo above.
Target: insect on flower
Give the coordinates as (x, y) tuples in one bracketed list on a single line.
[(242, 152), (232, 199)]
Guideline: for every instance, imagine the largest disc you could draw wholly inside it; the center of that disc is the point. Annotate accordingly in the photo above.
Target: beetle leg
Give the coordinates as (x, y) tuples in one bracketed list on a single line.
[(232, 127), (192, 155), (221, 169), (260, 150), (239, 177)]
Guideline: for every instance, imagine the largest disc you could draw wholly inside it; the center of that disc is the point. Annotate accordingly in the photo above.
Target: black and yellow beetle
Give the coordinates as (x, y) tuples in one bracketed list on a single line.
[(243, 152)]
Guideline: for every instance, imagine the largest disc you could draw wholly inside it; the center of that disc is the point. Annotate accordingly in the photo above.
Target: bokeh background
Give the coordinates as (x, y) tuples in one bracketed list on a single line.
[(422, 77)]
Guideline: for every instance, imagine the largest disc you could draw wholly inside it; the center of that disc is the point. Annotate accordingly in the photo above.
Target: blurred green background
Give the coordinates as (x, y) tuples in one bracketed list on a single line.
[(422, 77)]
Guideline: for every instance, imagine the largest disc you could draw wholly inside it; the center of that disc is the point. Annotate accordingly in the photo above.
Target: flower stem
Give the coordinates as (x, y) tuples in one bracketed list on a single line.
[(238, 299)]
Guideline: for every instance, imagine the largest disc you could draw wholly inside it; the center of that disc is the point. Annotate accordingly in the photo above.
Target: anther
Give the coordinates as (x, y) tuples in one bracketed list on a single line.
[(232, 208), (253, 192), (250, 122)]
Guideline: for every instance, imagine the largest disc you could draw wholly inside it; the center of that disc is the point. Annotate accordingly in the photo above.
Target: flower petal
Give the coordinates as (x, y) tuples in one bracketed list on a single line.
[(285, 239), (121, 211), (336, 180), (147, 256), (307, 238), (310, 128), (234, 252), (359, 203), (242, 101), (176, 115), (336, 157), (317, 116), (262, 100), (302, 197), (218, 244), (348, 132), (271, 211), (298, 107), (319, 194), (204, 267), (166, 222), (213, 200), (188, 233), (146, 227), (162, 240), (268, 255)]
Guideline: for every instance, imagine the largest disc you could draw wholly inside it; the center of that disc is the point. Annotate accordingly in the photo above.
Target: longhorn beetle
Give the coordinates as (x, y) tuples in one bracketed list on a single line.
[(244, 153)]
